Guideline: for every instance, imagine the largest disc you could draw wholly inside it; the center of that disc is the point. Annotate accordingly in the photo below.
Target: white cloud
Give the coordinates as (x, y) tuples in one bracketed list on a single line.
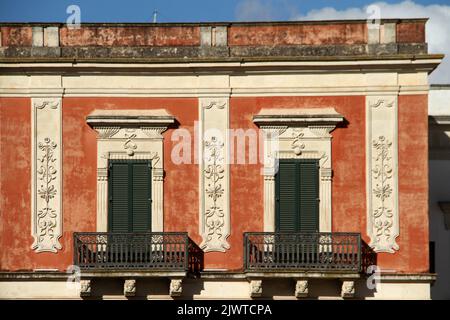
[(437, 27), (255, 10)]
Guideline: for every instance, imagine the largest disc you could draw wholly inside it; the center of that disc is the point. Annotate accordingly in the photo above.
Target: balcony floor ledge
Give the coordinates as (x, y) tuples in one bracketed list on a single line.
[(88, 274), (279, 274), (132, 274), (303, 274)]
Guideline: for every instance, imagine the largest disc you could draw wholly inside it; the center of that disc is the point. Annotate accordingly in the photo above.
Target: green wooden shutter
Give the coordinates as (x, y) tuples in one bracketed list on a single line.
[(309, 196), (297, 196), (141, 199), (119, 198), (129, 196), (286, 197)]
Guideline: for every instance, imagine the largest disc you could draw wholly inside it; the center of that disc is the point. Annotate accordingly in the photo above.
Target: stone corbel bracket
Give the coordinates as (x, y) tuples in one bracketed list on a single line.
[(301, 288), (130, 134), (176, 287), (129, 288), (85, 288), (256, 288), (348, 289), (300, 133)]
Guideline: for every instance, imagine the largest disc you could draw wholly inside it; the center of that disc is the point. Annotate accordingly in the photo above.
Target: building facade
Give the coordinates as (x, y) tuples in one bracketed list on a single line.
[(215, 160), (439, 175)]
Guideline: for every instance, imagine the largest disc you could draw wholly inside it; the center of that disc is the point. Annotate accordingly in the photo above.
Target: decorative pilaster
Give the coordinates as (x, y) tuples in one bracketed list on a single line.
[(157, 199), (214, 174), (102, 202), (46, 193), (271, 148), (326, 175), (382, 174), (269, 203)]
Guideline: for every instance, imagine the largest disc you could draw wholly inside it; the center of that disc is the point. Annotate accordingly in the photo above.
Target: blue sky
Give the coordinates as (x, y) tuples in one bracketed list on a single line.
[(438, 12), (171, 10)]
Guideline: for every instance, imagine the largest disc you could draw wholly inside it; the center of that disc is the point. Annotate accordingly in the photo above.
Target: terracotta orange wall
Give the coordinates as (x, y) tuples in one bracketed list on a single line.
[(266, 34), (307, 34), (181, 181), (413, 187), (16, 36), (15, 184), (130, 36), (247, 182), (80, 165), (79, 177), (15, 194), (411, 32)]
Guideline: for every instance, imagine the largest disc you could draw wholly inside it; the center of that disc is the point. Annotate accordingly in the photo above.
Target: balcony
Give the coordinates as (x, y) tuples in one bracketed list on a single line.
[(305, 256), (130, 256), (156, 251), (270, 251)]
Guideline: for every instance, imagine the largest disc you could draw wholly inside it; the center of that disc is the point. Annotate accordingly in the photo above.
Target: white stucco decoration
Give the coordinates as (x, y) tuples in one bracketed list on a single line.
[(297, 134), (382, 173), (130, 134), (214, 216), (46, 187)]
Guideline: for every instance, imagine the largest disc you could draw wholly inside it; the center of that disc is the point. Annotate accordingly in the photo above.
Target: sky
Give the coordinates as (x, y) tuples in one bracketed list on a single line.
[(438, 12)]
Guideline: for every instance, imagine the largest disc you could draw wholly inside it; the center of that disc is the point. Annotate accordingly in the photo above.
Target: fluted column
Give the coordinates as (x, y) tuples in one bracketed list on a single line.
[(157, 200), (269, 203), (325, 200)]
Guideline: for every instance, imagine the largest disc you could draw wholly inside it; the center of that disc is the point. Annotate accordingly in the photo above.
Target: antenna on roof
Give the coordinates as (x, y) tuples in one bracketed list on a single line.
[(155, 13)]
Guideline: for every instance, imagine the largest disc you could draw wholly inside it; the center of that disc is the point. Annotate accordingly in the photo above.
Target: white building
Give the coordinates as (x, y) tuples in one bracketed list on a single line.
[(439, 196)]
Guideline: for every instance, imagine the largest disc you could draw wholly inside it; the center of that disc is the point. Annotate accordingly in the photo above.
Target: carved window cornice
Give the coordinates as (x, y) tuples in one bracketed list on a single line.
[(108, 123), (133, 118), (320, 119)]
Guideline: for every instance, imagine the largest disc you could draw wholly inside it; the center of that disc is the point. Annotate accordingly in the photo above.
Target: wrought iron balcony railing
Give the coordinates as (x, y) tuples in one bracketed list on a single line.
[(270, 251), (168, 251)]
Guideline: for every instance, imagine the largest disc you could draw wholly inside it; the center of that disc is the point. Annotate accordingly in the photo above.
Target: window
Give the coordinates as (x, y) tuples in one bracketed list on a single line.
[(129, 196), (297, 134), (130, 135), (297, 196)]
